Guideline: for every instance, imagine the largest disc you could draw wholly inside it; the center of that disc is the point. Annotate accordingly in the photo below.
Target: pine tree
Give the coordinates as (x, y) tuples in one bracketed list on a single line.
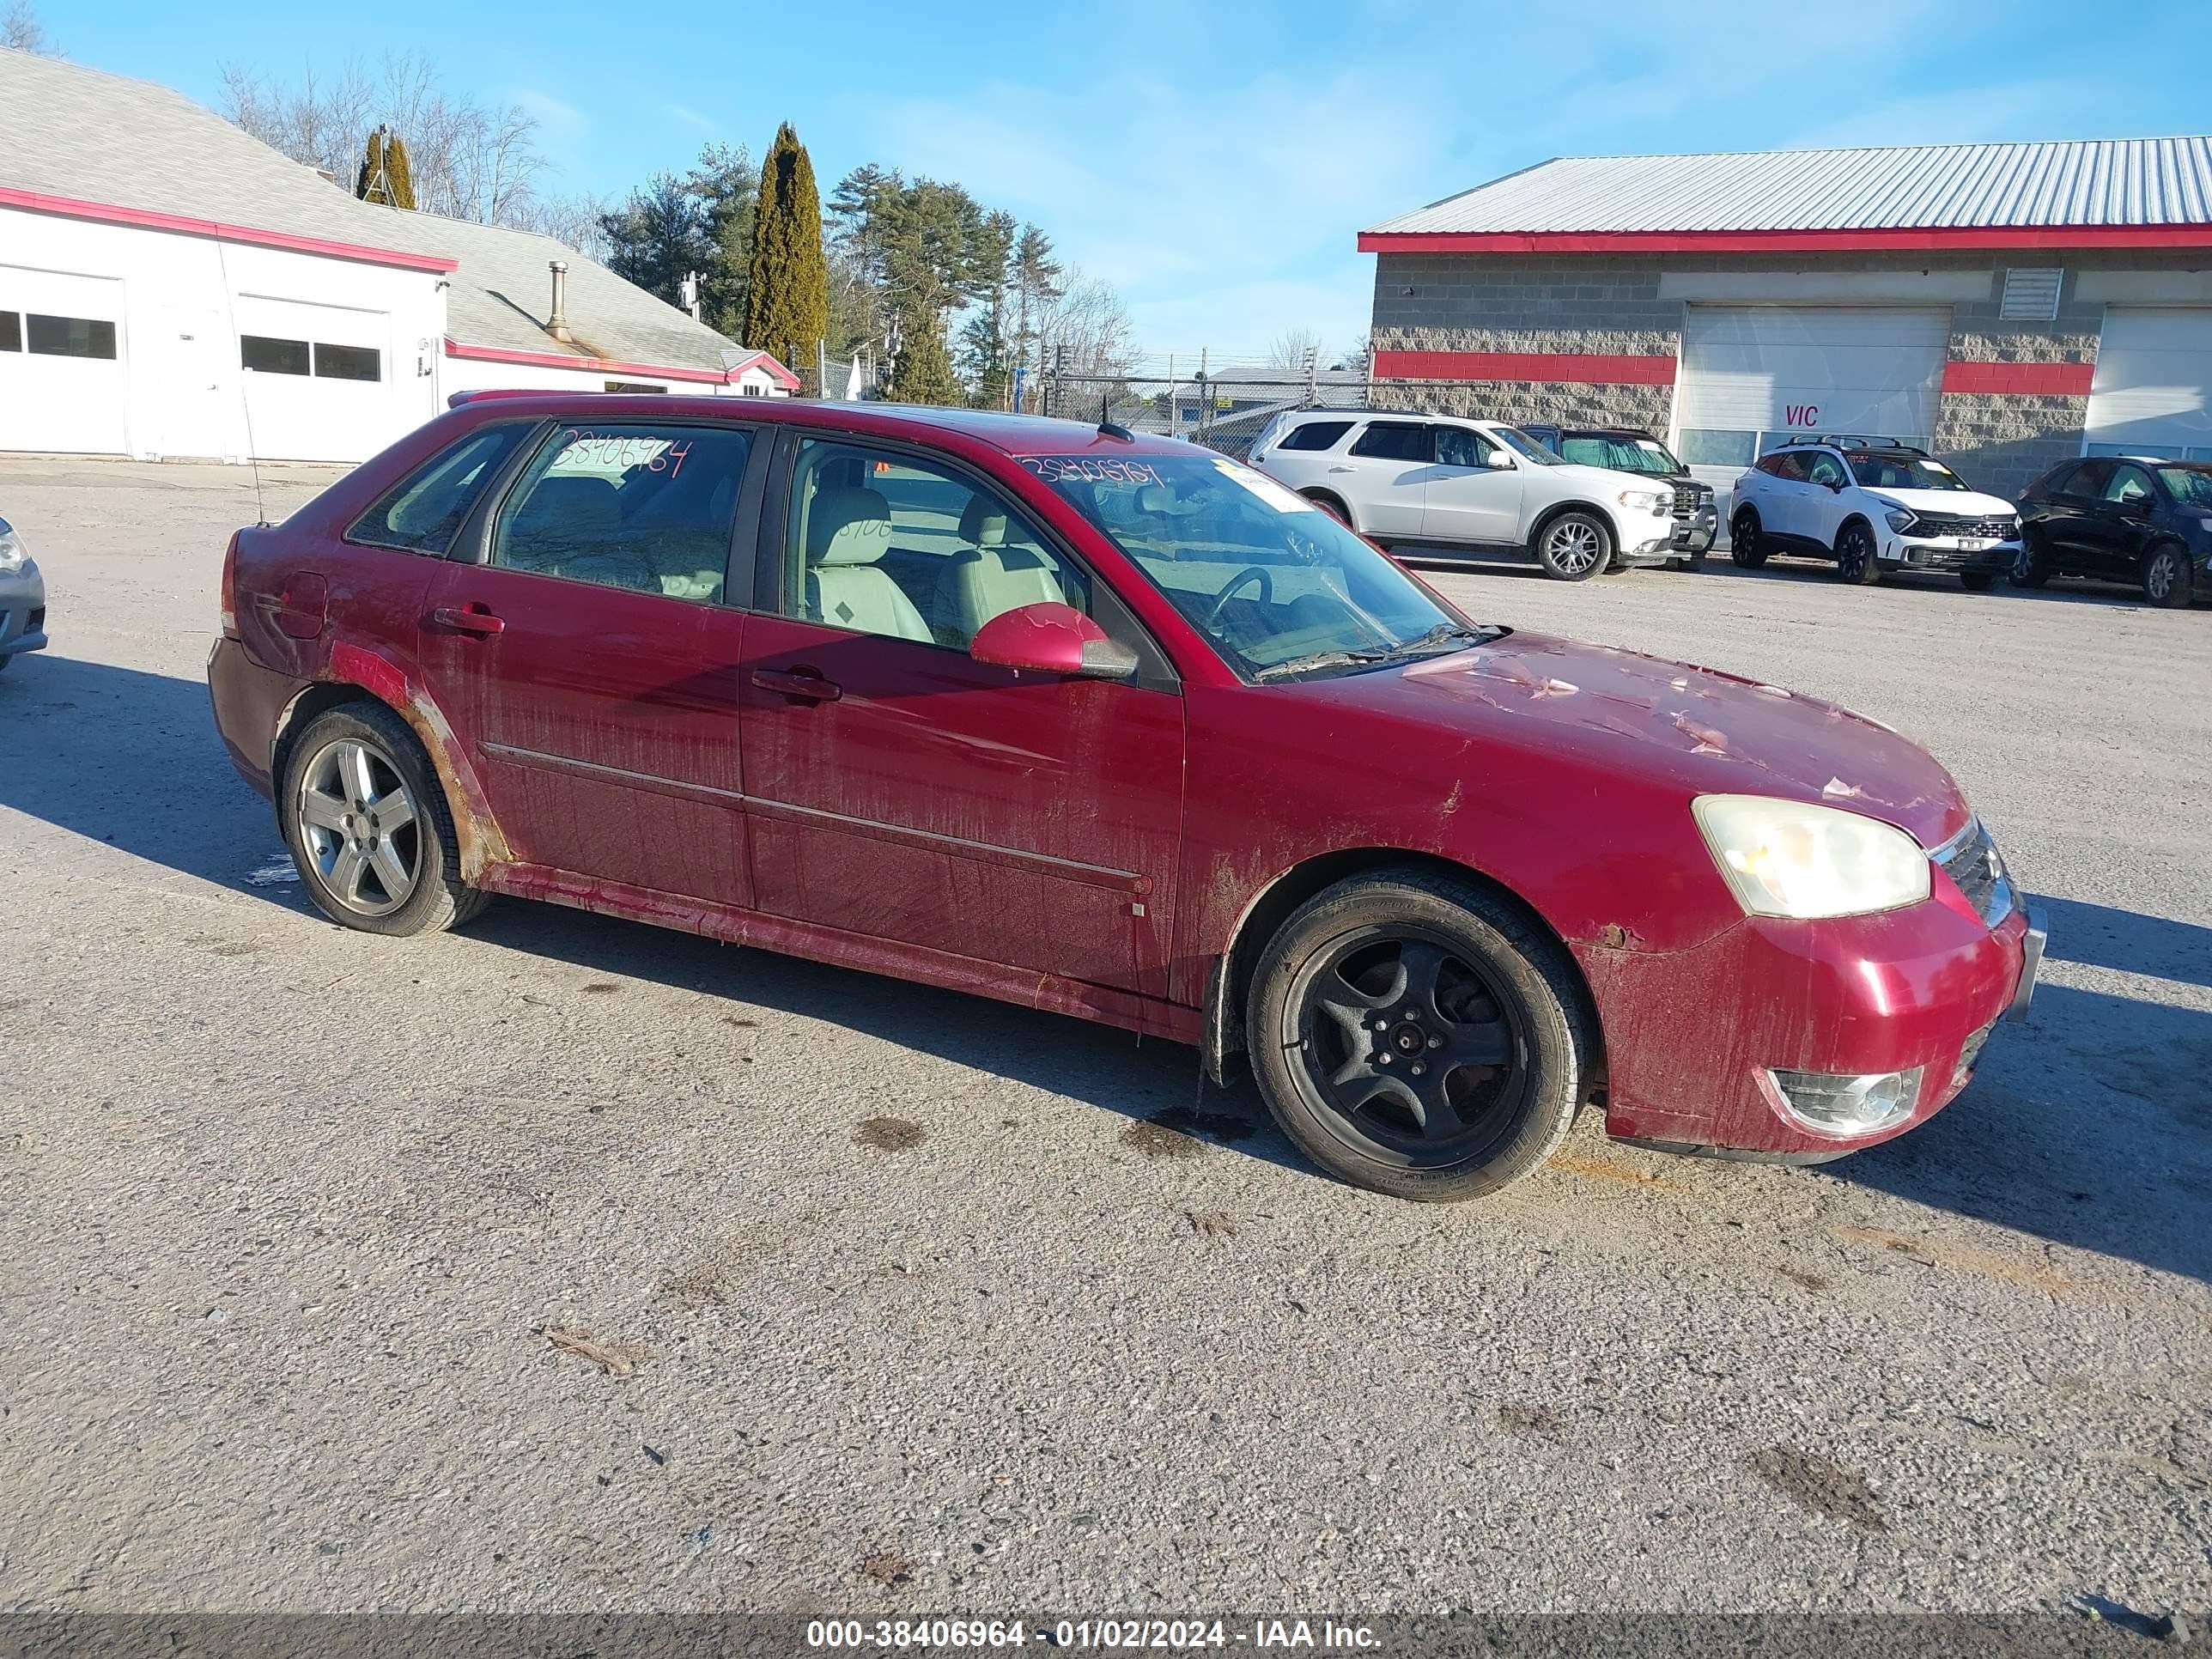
[(399, 177), (727, 186), (370, 187), (787, 291), (923, 373)]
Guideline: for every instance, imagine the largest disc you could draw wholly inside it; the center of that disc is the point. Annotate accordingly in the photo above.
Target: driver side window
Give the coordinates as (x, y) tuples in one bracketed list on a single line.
[(1457, 447), (881, 542), (1825, 470), (2130, 483)]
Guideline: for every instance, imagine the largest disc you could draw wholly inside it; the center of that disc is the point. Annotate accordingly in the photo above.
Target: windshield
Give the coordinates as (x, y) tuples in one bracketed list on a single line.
[(1278, 587), (1622, 454), (2187, 485), (1901, 472), (1522, 444)]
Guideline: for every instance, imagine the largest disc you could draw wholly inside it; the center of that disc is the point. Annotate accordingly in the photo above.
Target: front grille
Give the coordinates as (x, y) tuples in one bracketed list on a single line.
[(1689, 497), (1969, 1053), (1951, 523), (1971, 860)]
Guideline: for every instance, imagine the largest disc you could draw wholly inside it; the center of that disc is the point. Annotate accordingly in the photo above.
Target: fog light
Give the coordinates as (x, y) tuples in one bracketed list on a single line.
[(1838, 1104)]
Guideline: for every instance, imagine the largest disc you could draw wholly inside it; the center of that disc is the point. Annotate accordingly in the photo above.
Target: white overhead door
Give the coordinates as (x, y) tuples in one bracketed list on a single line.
[(62, 363), (1752, 375), (2153, 390), (316, 378)]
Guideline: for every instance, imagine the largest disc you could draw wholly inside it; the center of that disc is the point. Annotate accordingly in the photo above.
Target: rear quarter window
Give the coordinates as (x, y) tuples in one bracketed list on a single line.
[(424, 511), (1314, 434)]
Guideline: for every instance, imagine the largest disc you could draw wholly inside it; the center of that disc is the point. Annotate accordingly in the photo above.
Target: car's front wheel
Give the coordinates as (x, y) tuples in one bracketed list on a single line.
[(2029, 566), (1746, 544), (1574, 547), (1854, 560), (1419, 1036), (2165, 578), (369, 826)]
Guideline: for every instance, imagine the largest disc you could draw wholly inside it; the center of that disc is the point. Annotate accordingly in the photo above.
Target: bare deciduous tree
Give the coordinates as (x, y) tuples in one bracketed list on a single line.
[(1293, 347), (20, 27), (470, 160)]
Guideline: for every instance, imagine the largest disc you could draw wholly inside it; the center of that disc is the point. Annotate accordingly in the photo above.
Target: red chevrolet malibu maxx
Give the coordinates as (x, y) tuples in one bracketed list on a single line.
[(1114, 726)]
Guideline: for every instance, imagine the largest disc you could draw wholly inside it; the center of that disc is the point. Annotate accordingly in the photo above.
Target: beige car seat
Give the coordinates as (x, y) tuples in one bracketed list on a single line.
[(847, 531), (988, 577)]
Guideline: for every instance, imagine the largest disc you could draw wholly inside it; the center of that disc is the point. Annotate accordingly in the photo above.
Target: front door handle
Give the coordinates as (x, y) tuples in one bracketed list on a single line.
[(801, 688), (468, 619), (1344, 469)]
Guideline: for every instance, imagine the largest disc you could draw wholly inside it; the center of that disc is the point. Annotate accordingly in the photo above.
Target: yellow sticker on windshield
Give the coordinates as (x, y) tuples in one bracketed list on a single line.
[(1282, 500)]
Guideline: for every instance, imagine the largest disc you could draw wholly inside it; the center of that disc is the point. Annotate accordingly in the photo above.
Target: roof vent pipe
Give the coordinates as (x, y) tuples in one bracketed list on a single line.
[(557, 324)]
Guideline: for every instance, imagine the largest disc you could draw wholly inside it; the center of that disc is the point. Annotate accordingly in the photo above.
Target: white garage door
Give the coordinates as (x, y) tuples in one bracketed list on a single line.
[(316, 379), (2154, 380), (1752, 375), (62, 363)]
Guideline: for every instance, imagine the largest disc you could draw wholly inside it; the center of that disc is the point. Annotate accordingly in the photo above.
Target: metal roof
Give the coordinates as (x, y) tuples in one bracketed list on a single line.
[(2144, 182), (72, 135)]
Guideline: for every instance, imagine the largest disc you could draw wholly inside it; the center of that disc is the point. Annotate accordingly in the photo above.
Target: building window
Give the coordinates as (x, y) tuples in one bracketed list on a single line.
[(1709, 447), (265, 355), (344, 362), (751, 392), (71, 336), (632, 386), (11, 330)]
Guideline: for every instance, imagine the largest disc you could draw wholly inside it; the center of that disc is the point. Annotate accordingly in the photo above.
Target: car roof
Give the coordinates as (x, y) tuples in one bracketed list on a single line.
[(1566, 431), (1014, 434)]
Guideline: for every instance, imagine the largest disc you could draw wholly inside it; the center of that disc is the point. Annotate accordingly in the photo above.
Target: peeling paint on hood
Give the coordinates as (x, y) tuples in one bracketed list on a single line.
[(1706, 732)]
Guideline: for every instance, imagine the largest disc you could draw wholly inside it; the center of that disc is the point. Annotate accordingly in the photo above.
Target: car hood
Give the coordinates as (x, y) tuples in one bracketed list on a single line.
[(1967, 504), (1703, 731)]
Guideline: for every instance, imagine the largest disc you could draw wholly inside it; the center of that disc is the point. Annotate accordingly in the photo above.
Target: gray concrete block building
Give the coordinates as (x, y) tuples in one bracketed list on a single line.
[(2008, 306)]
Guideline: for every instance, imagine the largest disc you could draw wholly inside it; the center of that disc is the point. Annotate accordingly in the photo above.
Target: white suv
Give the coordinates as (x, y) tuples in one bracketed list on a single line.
[(1873, 505), (1440, 482)]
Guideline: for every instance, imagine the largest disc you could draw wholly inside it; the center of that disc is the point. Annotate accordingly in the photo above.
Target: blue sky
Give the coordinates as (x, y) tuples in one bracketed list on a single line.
[(1214, 161)]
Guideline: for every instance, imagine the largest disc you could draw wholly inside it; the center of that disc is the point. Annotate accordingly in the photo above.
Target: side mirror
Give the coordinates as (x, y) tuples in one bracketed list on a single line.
[(1502, 461), (2138, 507), (1051, 638)]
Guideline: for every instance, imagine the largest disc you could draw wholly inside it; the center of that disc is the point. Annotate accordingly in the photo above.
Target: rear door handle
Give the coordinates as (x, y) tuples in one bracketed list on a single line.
[(468, 619), (804, 687), (1344, 469)]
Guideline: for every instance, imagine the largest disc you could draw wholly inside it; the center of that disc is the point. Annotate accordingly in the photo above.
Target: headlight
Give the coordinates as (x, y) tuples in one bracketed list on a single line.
[(1784, 858), (1645, 500), (13, 556), (1898, 518)]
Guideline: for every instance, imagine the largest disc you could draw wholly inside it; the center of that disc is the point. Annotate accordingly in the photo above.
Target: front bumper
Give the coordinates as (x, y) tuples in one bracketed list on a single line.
[(1645, 539), (1698, 532), (23, 610), (1948, 554), (1693, 1037)]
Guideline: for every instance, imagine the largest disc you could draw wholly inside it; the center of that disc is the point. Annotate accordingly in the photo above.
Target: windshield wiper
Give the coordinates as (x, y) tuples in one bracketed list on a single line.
[(1442, 633)]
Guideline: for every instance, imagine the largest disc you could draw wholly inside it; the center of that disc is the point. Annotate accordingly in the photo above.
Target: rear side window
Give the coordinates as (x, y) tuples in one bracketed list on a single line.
[(641, 505), (1789, 464), (1314, 434), (1395, 440), (424, 511)]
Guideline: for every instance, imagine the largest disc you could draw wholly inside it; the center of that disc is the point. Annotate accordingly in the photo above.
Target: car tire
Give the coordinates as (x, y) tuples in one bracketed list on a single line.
[(2029, 568), (1331, 505), (1976, 582), (1574, 547), (1854, 556), (363, 869), (1748, 546), (1445, 967), (2165, 578)]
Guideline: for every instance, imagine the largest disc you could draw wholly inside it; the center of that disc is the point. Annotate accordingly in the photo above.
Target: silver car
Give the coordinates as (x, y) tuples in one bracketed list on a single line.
[(22, 598)]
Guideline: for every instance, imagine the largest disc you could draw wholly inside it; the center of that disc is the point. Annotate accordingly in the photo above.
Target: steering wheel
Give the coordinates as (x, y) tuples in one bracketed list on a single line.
[(1249, 573)]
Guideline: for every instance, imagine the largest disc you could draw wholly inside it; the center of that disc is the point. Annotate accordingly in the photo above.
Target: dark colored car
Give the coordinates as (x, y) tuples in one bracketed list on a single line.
[(1120, 728), (1631, 449), (2120, 519)]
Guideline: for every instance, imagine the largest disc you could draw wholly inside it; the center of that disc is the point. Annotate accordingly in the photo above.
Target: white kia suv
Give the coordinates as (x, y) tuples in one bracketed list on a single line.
[(1875, 506), (1441, 482)]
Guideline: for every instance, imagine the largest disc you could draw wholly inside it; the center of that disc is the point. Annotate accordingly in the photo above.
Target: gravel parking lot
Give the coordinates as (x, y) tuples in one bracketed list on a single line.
[(290, 1211)]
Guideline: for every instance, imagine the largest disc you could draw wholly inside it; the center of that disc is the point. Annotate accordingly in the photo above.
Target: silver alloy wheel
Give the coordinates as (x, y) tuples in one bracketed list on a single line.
[(1574, 545), (2158, 580), (360, 827), (2023, 563)]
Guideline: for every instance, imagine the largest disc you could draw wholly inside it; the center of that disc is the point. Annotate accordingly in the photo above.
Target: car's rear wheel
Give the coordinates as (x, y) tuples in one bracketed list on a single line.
[(368, 825), (1419, 1036), (1331, 505), (1747, 544), (1574, 547), (2165, 577), (1854, 560), (2029, 566), (1976, 582)]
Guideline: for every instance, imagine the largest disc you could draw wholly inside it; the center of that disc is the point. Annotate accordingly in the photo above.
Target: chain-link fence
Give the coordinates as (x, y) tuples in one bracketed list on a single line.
[(1222, 409)]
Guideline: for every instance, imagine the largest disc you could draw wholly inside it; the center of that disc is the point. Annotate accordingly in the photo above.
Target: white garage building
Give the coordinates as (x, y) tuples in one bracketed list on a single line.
[(170, 286)]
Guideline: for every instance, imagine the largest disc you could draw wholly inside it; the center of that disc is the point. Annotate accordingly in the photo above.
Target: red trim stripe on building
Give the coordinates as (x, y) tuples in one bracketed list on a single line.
[(2020, 380), (761, 359), (1561, 367), (69, 207), (1783, 241)]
